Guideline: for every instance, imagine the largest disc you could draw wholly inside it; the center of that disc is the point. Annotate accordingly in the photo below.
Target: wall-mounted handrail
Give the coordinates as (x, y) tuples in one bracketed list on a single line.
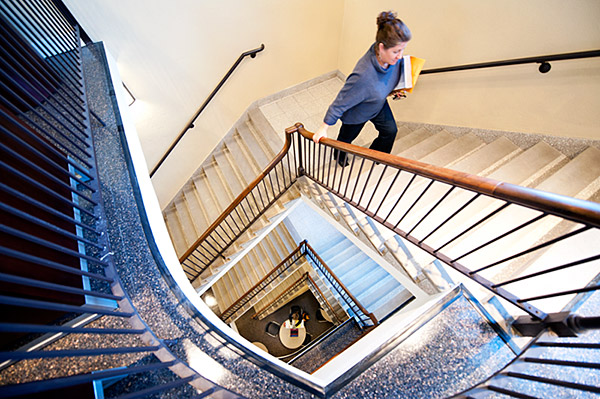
[(543, 60), (190, 124)]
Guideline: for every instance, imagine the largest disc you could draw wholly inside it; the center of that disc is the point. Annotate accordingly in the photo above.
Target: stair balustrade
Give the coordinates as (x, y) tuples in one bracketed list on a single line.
[(304, 250), (404, 195), (279, 270), (57, 270), (278, 177)]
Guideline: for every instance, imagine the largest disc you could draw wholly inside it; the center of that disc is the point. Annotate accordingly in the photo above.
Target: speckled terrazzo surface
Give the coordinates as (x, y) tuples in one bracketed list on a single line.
[(141, 276), (452, 352), (329, 347), (437, 361)]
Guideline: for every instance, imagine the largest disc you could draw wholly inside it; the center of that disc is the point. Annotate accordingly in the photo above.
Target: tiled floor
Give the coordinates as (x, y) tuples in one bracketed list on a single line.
[(308, 106)]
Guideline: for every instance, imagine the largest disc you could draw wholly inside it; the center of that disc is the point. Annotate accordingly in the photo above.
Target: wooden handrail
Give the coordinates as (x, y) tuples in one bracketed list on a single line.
[(291, 287), (573, 209), (283, 262), (243, 194), (360, 306), (314, 284)]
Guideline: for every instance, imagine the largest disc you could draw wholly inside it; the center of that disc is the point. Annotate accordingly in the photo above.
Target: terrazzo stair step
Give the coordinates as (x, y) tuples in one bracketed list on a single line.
[(572, 278), (329, 296), (249, 273), (411, 139), (273, 139), (336, 256), (390, 302), (362, 276), (218, 186), (579, 178), (252, 148), (377, 290), (427, 146), (186, 221), (345, 268), (488, 158), (228, 172), (483, 161), (206, 197), (241, 159), (331, 246), (264, 252), (175, 231), (535, 161), (279, 289), (532, 166), (196, 208), (403, 130), (454, 151)]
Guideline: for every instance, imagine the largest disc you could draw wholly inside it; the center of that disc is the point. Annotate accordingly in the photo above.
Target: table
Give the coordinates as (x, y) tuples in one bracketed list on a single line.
[(292, 342), (261, 346)]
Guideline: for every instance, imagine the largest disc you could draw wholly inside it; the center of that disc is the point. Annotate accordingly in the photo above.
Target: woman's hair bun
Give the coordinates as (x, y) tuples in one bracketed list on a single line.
[(384, 17)]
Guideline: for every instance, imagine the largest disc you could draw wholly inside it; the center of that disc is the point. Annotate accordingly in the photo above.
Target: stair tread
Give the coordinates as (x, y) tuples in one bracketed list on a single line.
[(424, 147), (175, 231), (488, 158), (205, 196), (255, 149), (408, 140), (228, 172), (576, 175), (186, 221), (274, 140), (525, 165), (196, 208), (221, 192), (454, 151)]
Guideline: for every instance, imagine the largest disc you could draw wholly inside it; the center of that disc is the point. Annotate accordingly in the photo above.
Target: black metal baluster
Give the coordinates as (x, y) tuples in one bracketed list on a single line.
[(451, 216), (414, 203)]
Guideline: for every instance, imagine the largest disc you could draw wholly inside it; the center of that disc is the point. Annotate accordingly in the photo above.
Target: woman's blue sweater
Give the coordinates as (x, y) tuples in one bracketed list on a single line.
[(365, 91)]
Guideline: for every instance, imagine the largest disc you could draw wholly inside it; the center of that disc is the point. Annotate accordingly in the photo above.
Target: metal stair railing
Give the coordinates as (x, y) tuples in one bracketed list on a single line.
[(363, 317), (304, 250), (318, 163), (57, 269), (553, 363), (277, 177), (283, 266)]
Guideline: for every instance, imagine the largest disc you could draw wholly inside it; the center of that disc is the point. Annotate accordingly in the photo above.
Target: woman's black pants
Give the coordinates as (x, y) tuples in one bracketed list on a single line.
[(384, 123)]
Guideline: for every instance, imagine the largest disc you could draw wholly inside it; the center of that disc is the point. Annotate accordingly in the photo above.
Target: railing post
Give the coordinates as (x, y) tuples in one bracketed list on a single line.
[(300, 163)]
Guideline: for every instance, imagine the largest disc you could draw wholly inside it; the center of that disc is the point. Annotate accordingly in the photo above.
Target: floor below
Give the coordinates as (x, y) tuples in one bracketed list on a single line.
[(254, 330)]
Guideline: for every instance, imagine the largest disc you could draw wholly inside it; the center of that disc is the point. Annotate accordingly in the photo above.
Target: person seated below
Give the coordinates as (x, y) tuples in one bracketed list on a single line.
[(295, 320)]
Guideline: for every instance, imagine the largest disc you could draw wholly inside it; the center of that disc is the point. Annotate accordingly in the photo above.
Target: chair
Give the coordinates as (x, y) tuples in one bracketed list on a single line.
[(320, 316), (272, 328), (307, 339)]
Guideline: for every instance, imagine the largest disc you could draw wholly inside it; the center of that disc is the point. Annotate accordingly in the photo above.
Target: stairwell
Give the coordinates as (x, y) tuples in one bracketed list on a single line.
[(565, 166)]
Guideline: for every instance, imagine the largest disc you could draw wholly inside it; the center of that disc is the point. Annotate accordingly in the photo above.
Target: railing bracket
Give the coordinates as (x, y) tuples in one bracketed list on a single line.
[(564, 324)]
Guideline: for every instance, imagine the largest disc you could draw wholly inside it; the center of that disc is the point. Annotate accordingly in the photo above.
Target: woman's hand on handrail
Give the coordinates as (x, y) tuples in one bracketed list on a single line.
[(321, 132)]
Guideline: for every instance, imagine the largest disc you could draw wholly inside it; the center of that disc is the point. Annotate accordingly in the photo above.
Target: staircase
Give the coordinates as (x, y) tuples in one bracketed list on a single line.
[(564, 166)]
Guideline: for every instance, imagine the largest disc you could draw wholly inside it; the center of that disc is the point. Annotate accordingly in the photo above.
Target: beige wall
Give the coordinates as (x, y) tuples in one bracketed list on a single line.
[(172, 54), (563, 102)]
